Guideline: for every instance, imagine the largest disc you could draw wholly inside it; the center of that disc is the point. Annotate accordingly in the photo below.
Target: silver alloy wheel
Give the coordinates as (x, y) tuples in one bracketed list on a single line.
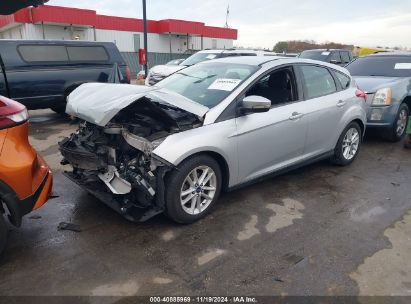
[(198, 190), (351, 143), (401, 122)]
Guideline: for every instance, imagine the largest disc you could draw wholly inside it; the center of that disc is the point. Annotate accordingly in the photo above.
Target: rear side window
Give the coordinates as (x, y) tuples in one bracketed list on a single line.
[(87, 53), (343, 79), (345, 57), (43, 53), (318, 81)]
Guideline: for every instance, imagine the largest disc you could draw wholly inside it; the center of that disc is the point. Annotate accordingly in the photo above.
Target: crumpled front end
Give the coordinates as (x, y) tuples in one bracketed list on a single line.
[(116, 162)]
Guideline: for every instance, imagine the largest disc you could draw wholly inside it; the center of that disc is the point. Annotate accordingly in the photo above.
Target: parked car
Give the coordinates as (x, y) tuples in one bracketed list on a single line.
[(386, 78), (175, 61), (160, 72), (41, 74), (25, 179), (218, 125), (335, 56)]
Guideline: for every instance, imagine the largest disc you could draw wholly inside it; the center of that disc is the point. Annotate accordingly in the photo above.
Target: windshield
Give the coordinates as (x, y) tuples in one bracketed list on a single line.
[(208, 84), (395, 66), (315, 55), (200, 57)]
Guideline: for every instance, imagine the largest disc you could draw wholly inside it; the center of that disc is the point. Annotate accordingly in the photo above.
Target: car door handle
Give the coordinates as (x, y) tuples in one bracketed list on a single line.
[(296, 116), (341, 103)]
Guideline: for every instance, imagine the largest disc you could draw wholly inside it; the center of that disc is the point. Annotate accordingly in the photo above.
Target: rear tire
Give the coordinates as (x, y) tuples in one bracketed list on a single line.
[(193, 189), (348, 145), (3, 234), (397, 131)]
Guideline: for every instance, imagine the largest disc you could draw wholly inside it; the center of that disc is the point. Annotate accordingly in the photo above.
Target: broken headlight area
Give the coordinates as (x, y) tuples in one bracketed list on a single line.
[(115, 163)]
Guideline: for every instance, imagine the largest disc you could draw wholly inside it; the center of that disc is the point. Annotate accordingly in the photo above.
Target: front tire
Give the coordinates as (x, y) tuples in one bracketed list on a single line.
[(3, 233), (193, 189), (348, 145), (397, 132)]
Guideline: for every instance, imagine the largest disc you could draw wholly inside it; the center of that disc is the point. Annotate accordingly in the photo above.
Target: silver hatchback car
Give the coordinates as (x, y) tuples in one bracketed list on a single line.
[(215, 126)]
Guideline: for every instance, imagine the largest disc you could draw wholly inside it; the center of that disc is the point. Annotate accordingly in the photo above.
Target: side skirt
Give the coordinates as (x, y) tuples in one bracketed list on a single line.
[(304, 163)]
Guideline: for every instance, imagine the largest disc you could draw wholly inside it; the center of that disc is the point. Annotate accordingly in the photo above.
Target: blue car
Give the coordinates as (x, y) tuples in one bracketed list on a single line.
[(386, 79)]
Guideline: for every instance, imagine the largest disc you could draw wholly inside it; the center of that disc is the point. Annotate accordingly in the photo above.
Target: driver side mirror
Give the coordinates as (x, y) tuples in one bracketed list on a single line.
[(255, 104)]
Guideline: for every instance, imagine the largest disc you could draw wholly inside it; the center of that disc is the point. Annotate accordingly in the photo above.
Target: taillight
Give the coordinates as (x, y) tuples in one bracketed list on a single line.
[(361, 94), (128, 74), (12, 113)]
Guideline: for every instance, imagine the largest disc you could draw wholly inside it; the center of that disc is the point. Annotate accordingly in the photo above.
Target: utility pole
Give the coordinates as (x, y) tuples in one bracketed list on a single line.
[(145, 35)]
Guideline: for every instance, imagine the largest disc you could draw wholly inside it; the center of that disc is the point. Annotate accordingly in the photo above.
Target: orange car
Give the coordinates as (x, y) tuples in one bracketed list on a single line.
[(25, 179)]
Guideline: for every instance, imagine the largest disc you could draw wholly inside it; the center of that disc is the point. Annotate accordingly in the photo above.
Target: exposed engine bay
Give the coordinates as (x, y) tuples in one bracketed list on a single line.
[(115, 162)]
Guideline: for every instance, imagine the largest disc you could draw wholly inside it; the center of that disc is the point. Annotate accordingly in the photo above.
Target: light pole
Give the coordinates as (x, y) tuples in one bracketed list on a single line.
[(145, 36)]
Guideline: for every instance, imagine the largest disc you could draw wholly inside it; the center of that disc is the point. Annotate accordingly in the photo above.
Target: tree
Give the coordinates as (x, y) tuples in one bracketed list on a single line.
[(281, 47)]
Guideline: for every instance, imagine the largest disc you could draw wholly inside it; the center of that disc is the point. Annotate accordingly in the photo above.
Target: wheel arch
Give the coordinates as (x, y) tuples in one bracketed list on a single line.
[(407, 101), (222, 162), (361, 124)]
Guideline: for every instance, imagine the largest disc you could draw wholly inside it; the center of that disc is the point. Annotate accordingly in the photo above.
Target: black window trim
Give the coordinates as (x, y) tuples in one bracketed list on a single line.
[(337, 85)]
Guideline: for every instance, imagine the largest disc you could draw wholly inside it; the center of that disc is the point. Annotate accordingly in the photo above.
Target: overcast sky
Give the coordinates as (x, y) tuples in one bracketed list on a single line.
[(264, 22)]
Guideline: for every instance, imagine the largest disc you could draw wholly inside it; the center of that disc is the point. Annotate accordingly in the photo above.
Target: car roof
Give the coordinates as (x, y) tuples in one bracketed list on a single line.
[(390, 54), (274, 61), (326, 50)]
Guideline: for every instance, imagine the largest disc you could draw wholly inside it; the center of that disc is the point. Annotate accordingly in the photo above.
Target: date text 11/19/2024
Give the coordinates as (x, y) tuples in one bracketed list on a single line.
[(200, 299)]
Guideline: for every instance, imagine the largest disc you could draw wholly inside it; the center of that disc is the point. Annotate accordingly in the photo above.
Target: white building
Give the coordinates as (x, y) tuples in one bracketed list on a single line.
[(164, 36)]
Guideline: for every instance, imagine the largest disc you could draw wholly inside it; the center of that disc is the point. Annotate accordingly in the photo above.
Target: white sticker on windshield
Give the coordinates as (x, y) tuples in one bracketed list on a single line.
[(403, 66), (325, 53), (224, 84), (211, 56)]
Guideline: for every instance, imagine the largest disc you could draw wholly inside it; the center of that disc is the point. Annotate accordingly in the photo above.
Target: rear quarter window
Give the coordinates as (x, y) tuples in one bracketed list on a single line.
[(343, 79), (43, 53), (87, 53)]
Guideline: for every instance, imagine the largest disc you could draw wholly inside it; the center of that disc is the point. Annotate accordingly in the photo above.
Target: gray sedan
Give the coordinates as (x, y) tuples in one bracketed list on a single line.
[(215, 126), (386, 78)]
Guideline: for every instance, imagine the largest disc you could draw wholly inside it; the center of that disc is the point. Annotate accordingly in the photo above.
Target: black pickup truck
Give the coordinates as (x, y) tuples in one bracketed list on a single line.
[(41, 73)]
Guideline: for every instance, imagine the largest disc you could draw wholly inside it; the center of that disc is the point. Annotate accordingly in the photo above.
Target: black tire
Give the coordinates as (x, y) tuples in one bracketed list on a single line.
[(174, 184), (61, 109), (392, 134), (3, 234), (339, 158)]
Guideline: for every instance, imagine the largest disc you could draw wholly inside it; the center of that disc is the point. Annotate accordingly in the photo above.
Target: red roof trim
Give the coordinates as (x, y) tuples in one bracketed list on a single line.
[(76, 16)]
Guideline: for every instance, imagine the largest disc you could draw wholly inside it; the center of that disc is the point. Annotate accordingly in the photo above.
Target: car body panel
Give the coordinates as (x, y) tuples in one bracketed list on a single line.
[(98, 103), (25, 179), (400, 88)]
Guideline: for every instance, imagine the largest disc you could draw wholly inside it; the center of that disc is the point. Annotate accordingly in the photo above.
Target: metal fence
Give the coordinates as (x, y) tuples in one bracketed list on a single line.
[(153, 59)]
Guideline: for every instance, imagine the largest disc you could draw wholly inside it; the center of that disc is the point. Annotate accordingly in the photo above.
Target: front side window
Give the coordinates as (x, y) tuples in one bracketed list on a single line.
[(278, 86), (208, 83), (318, 81), (43, 53)]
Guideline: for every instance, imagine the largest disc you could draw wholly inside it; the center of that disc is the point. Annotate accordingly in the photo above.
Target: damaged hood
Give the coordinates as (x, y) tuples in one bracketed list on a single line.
[(98, 103)]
